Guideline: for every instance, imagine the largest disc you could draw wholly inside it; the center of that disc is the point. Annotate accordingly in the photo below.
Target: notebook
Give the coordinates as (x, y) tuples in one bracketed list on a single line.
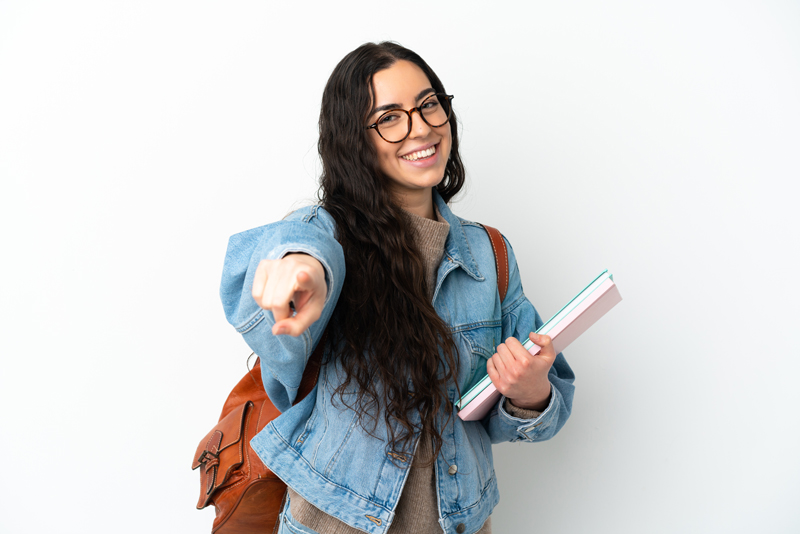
[(564, 327)]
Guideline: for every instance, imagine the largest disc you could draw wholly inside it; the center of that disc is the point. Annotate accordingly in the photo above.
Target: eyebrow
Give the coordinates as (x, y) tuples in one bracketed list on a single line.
[(387, 107)]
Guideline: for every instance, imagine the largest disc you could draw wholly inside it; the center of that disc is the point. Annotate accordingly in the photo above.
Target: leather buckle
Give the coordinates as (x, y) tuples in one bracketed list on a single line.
[(204, 457)]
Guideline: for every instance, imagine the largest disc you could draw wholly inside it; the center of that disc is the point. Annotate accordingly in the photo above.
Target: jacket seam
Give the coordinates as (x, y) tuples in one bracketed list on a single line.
[(332, 462), (465, 222), (308, 217), (475, 325), (251, 323), (324, 418), (514, 305)]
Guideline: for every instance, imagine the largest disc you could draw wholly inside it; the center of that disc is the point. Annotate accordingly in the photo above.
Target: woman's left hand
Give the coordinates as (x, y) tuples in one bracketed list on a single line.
[(520, 376)]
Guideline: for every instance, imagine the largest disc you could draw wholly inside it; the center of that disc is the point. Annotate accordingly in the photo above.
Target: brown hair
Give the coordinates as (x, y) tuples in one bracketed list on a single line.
[(384, 332)]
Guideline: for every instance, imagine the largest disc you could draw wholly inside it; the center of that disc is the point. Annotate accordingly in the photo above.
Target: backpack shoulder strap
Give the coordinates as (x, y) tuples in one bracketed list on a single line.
[(500, 259)]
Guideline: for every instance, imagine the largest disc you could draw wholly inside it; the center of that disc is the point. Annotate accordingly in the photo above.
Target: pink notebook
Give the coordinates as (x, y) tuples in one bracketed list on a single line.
[(564, 328)]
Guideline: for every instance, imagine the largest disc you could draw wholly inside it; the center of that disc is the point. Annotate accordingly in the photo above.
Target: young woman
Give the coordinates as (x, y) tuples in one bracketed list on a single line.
[(407, 293)]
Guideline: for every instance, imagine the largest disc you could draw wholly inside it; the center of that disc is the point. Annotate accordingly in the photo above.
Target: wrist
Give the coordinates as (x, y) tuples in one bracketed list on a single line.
[(537, 402)]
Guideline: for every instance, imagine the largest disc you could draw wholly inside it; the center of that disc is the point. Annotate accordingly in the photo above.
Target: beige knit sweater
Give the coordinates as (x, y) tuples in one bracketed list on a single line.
[(417, 510)]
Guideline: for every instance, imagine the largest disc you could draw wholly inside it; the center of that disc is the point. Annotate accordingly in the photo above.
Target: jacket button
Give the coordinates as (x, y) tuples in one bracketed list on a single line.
[(460, 528), (453, 470)]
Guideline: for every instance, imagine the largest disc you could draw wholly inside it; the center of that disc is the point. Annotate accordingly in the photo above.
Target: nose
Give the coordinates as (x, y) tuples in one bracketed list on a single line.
[(419, 128)]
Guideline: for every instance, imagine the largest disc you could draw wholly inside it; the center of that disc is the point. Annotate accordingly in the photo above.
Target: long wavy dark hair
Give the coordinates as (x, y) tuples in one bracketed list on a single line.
[(390, 342)]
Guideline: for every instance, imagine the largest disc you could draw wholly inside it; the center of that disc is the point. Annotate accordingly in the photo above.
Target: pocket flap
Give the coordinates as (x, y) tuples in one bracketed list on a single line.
[(220, 452)]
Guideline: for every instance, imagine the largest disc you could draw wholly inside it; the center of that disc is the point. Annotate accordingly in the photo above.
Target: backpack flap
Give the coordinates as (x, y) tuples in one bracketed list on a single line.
[(221, 452)]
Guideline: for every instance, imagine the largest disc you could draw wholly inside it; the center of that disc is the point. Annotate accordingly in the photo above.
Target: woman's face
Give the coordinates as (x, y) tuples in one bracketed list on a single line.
[(405, 86)]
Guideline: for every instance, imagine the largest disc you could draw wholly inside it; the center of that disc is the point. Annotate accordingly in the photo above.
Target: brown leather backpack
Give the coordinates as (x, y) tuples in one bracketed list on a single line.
[(247, 496)]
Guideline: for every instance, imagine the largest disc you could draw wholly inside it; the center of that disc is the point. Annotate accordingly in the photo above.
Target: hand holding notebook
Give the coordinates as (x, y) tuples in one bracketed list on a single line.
[(520, 375)]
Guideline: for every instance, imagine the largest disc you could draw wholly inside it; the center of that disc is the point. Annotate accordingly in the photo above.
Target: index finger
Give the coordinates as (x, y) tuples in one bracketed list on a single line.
[(514, 344), (516, 349), (301, 321)]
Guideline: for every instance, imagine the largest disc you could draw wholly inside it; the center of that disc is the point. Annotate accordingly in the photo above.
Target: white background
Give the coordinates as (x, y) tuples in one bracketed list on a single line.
[(659, 140)]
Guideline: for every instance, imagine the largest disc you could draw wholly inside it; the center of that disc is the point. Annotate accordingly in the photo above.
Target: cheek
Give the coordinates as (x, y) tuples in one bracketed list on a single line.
[(447, 141), (388, 162), (386, 156)]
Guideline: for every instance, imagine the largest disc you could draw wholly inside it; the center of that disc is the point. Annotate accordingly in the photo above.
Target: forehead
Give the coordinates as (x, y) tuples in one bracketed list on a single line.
[(399, 84)]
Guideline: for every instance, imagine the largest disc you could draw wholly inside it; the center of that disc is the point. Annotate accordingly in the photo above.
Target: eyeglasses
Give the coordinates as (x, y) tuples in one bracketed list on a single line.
[(393, 127)]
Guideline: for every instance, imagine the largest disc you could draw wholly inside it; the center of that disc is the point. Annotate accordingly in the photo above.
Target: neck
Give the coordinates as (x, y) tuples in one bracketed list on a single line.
[(419, 204)]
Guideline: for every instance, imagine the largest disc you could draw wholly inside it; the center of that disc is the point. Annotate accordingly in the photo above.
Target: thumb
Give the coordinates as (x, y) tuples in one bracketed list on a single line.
[(540, 339)]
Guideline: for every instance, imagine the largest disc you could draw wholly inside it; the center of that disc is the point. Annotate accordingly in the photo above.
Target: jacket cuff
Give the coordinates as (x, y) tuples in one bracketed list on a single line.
[(533, 428)]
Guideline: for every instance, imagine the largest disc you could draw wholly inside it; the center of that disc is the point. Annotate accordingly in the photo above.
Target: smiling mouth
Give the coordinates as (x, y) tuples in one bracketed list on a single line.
[(421, 154)]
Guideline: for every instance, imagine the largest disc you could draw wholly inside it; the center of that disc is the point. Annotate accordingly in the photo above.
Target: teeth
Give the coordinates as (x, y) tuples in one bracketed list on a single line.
[(414, 156)]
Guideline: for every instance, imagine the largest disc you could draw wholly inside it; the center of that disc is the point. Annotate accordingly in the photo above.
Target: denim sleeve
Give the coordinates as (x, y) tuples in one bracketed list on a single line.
[(519, 319), (283, 358)]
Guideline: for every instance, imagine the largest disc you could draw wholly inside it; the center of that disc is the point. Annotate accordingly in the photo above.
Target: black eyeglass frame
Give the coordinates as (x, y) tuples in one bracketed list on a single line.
[(443, 98)]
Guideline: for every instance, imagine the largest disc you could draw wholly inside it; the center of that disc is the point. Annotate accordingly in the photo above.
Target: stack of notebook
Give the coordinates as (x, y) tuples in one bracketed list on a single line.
[(570, 322)]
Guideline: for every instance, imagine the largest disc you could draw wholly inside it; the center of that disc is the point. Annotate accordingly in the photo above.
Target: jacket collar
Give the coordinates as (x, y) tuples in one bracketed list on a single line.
[(457, 247)]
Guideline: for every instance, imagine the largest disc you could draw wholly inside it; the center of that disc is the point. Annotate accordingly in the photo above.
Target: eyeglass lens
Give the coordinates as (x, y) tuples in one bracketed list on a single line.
[(395, 125)]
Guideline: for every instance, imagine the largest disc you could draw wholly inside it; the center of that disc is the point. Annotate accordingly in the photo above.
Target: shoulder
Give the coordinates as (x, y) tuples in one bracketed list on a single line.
[(479, 240), (314, 215), (308, 218), (470, 226), (474, 231)]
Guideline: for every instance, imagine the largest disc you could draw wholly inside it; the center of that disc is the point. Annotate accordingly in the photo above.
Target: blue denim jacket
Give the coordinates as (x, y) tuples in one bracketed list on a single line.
[(318, 448)]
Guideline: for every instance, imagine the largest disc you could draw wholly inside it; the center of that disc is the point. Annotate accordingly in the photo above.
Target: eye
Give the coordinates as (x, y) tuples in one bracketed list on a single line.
[(389, 118), (430, 103)]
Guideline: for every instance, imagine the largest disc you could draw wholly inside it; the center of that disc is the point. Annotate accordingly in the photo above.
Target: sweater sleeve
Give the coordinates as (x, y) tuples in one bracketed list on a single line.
[(283, 358), (506, 422)]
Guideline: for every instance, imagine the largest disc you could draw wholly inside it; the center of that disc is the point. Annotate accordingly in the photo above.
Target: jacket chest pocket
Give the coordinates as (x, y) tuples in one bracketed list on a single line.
[(480, 341)]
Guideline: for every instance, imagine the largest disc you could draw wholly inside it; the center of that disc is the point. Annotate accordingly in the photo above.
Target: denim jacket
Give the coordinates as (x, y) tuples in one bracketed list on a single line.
[(318, 448)]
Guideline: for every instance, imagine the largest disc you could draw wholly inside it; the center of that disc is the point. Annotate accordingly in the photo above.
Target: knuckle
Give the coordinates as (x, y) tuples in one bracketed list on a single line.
[(264, 266)]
